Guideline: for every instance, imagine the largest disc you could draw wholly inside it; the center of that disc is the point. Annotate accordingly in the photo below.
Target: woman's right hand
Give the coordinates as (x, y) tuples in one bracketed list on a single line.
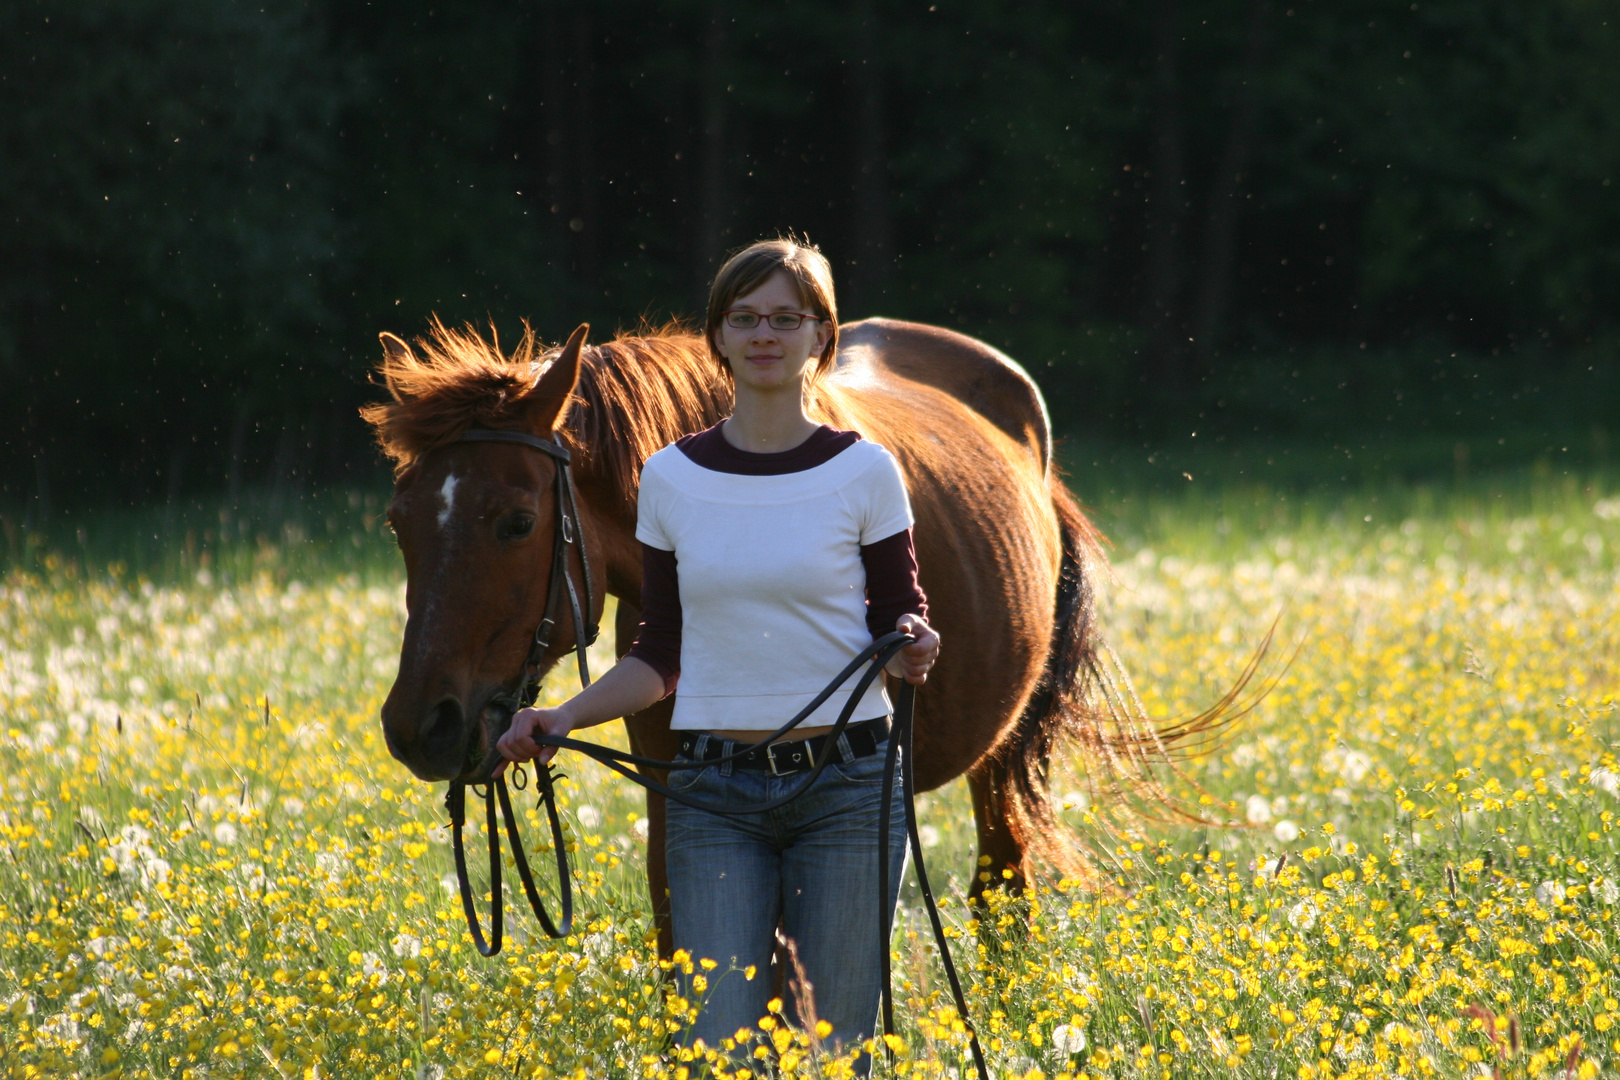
[(518, 743), (628, 686)]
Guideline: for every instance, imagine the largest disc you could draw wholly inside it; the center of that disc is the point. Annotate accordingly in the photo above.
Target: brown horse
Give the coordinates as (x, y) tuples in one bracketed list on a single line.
[(1005, 555)]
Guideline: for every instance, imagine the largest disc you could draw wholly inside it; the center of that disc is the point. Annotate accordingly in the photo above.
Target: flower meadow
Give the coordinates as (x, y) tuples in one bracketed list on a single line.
[(1405, 865)]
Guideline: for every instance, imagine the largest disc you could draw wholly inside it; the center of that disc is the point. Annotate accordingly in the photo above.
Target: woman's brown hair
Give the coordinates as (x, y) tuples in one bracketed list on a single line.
[(751, 267)]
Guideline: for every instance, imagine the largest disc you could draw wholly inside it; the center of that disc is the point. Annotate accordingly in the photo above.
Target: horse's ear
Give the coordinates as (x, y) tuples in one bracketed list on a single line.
[(397, 356), (549, 396)]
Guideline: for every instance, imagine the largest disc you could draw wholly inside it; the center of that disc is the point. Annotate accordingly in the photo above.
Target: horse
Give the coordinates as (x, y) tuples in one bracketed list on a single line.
[(1006, 557)]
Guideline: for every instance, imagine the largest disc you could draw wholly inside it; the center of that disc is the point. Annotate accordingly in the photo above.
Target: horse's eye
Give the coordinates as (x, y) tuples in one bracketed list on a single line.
[(516, 526)]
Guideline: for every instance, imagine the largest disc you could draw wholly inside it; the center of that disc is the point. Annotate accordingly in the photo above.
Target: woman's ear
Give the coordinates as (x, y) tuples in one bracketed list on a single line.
[(824, 332)]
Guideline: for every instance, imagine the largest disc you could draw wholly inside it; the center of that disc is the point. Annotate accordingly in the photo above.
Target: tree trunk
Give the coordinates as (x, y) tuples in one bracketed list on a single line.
[(42, 490), (713, 199), (1165, 359), (241, 421), (554, 58), (1220, 230), (874, 230), (177, 469), (587, 248), (281, 467)]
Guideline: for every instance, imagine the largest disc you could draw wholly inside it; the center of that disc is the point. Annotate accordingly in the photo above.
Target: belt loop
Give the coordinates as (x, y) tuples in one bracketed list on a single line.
[(845, 754), (700, 748), (726, 747)]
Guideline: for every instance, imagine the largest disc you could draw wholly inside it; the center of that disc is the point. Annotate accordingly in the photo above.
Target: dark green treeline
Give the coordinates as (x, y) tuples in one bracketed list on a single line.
[(1285, 219)]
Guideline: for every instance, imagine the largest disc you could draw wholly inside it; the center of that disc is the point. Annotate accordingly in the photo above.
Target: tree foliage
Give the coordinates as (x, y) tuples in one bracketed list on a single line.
[(1233, 208)]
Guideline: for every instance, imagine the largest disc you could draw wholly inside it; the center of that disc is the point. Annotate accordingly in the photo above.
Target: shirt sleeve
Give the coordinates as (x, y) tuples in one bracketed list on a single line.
[(891, 583), (650, 529), (658, 642), (885, 509)]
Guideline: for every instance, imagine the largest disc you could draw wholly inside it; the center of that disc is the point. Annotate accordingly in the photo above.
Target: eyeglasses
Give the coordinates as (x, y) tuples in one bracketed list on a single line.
[(741, 319)]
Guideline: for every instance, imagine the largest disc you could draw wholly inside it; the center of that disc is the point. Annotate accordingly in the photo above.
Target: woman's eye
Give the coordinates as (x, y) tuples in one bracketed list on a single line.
[(517, 526)]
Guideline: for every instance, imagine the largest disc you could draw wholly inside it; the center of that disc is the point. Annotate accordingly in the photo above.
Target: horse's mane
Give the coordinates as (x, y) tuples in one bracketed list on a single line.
[(637, 394)]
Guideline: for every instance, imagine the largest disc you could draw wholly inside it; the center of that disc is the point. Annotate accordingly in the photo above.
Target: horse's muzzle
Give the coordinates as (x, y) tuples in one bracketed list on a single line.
[(442, 744)]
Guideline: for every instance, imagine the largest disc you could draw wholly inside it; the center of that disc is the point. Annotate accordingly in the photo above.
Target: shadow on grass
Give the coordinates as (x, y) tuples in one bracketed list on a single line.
[(1216, 496)]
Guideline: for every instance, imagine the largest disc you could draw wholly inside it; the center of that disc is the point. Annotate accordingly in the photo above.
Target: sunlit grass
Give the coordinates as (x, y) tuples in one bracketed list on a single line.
[(211, 867)]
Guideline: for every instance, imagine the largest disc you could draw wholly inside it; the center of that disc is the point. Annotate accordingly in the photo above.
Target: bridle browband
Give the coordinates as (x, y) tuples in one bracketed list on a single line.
[(874, 657)]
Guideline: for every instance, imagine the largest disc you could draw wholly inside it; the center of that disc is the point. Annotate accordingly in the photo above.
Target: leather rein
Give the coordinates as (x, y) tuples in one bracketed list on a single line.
[(567, 536), (872, 658)]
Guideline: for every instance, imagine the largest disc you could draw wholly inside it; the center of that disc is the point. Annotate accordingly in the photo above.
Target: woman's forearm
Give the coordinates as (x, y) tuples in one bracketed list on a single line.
[(627, 687)]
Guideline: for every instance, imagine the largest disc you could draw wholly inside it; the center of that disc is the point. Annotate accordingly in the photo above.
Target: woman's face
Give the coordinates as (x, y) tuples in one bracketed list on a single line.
[(765, 359)]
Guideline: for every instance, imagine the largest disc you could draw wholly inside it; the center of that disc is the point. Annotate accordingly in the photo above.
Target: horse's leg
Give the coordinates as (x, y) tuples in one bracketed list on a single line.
[(987, 782), (650, 737)]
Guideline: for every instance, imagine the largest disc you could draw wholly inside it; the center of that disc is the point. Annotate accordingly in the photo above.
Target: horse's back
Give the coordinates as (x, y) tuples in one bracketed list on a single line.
[(969, 431), (982, 377)]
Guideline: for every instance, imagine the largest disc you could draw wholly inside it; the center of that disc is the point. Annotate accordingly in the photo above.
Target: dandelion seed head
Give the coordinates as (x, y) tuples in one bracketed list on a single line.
[(1257, 809)]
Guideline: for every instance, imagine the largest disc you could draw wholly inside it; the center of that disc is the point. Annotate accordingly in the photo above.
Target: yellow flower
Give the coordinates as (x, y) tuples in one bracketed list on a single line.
[(198, 948)]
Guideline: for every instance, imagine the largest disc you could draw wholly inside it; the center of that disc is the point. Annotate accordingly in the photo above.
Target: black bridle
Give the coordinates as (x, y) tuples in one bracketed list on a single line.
[(873, 658), (567, 535)]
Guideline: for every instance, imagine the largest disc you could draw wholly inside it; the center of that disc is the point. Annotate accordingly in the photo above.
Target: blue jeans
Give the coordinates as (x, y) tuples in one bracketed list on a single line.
[(811, 865)]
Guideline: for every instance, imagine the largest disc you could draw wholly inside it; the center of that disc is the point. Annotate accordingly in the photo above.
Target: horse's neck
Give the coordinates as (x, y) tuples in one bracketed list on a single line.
[(640, 395), (828, 405)]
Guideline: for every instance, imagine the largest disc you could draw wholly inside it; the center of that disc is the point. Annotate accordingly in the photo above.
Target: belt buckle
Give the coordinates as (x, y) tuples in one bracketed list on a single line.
[(770, 757)]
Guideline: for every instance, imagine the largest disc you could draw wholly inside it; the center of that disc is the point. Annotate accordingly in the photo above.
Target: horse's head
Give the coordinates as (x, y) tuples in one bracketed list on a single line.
[(476, 524)]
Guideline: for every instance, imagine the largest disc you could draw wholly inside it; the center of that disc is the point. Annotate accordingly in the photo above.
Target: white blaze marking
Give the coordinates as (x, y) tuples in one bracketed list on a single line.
[(448, 494)]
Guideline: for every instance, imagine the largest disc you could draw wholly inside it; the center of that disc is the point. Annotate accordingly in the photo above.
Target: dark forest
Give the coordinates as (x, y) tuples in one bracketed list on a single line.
[(1248, 218)]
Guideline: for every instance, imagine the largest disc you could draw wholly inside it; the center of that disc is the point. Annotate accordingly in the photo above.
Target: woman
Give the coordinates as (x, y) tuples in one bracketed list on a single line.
[(774, 549)]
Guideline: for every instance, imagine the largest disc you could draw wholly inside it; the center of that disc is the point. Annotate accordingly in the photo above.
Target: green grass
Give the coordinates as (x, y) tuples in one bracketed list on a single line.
[(1410, 839), (307, 537)]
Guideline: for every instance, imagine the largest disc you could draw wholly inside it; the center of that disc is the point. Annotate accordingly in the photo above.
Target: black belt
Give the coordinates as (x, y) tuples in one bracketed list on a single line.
[(789, 756)]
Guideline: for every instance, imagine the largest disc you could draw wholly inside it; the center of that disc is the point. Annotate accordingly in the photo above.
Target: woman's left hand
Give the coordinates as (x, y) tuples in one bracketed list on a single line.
[(913, 662)]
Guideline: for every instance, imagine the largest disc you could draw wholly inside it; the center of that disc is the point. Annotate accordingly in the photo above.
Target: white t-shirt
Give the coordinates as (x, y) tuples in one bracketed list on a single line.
[(772, 588)]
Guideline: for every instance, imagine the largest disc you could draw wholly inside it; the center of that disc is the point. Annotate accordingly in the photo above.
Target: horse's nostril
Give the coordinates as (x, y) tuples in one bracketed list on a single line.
[(442, 732)]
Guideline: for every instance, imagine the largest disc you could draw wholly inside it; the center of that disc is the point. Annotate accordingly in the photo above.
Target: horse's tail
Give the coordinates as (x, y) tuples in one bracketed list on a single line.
[(1084, 699)]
